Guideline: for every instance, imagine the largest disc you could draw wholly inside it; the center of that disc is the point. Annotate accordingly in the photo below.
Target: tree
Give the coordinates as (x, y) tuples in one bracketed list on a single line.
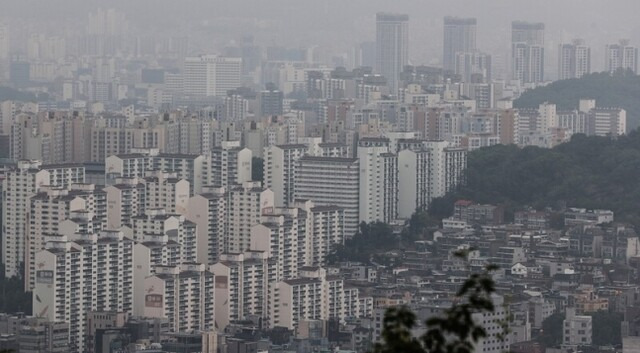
[(551, 334), (609, 90), (587, 172), (419, 227), (372, 238), (257, 169), (606, 328), (13, 298), (7, 93), (453, 332)]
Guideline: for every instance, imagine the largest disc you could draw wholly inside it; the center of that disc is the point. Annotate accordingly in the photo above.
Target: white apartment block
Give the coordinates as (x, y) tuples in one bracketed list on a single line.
[(312, 296), (236, 108), (20, 184), (64, 175), (574, 60), (455, 165), (50, 137), (329, 181), (166, 191), (90, 272), (209, 212), (574, 122), (7, 114), (414, 168), (621, 56), (547, 117), (195, 136), (438, 171), (227, 165), (284, 236), (577, 330), (108, 138), (607, 122), (497, 339), (327, 231), (183, 294), (157, 223), (109, 141), (48, 210), (247, 203), (185, 166), (211, 75), (242, 287), (125, 200), (303, 235), (527, 62), (378, 181), (280, 164)]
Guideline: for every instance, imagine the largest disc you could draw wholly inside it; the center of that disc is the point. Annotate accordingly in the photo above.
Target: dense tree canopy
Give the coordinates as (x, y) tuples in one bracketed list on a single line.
[(589, 172), (551, 334), (10, 94), (371, 238), (606, 328), (257, 169), (13, 299), (621, 89)]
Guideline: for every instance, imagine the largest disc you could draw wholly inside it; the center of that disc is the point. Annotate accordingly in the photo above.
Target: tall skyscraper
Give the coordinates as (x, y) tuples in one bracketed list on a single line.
[(527, 51), (474, 67), (4, 42), (621, 56), (574, 60), (459, 36), (378, 180), (211, 75), (526, 32), (328, 182), (365, 54), (270, 101), (392, 46)]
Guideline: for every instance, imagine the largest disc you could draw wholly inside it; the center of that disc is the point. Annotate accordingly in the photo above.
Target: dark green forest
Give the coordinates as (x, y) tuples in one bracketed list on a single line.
[(7, 93), (588, 172), (621, 89), (606, 329)]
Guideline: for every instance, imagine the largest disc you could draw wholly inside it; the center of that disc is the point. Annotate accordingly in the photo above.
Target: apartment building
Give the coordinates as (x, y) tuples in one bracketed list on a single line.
[(242, 288), (227, 164), (21, 182), (158, 224), (577, 330), (126, 199), (48, 210), (313, 296), (331, 181), (414, 168), (85, 273), (209, 212), (378, 181), (185, 166), (280, 166), (166, 191), (247, 203), (184, 294)]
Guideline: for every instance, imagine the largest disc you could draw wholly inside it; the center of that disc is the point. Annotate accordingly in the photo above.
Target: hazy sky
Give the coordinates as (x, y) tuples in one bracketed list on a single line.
[(339, 24)]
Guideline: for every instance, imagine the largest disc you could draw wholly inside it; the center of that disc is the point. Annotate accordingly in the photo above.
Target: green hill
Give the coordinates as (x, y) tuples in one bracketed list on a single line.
[(10, 94), (621, 89), (590, 172)]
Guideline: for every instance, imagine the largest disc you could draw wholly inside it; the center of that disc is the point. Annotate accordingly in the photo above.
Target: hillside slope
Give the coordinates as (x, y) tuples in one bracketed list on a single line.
[(590, 172), (621, 89)]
